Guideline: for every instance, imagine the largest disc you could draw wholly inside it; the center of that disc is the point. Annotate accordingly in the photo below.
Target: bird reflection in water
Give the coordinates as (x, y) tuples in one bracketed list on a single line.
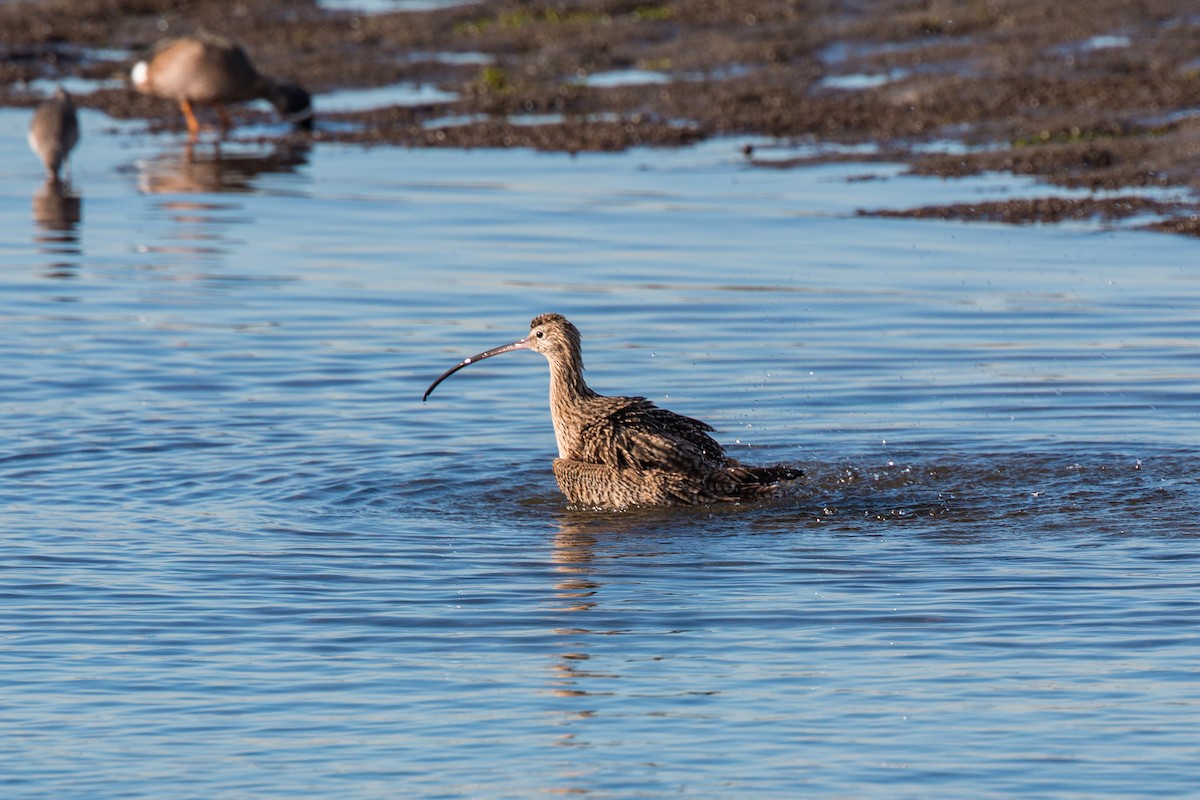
[(574, 550), (216, 169), (57, 210), (186, 178), (576, 592), (583, 544)]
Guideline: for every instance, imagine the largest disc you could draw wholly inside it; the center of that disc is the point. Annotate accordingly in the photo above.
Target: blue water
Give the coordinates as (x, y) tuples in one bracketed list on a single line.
[(242, 559)]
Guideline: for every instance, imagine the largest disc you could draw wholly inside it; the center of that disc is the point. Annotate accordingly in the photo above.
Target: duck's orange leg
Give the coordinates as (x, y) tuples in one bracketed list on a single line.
[(193, 125)]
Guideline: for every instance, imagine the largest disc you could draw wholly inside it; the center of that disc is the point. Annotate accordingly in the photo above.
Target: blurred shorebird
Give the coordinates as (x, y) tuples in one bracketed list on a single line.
[(615, 452), (211, 70), (54, 131)]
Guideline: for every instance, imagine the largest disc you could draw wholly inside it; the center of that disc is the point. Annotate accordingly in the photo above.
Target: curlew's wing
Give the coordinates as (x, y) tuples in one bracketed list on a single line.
[(626, 432)]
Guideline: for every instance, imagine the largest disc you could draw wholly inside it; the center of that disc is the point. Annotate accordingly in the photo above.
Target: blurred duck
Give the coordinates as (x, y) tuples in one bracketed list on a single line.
[(54, 131), (211, 70)]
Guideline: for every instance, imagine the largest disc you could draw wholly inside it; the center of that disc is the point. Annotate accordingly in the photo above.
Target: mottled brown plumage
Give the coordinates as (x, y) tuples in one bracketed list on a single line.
[(211, 70), (615, 452)]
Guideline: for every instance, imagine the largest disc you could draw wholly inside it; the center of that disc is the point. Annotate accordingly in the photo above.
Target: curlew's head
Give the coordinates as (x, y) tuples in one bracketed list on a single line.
[(552, 335)]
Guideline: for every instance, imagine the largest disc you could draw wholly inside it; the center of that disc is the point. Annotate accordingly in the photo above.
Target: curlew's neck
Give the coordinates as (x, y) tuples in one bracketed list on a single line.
[(568, 391)]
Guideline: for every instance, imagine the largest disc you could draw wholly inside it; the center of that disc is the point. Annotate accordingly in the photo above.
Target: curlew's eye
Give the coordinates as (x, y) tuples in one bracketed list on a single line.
[(540, 334)]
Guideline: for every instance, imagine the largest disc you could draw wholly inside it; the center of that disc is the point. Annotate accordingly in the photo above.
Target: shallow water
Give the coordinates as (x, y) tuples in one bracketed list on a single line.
[(242, 559)]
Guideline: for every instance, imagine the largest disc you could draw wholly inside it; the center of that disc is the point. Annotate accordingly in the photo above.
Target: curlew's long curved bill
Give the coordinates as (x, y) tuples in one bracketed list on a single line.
[(520, 344)]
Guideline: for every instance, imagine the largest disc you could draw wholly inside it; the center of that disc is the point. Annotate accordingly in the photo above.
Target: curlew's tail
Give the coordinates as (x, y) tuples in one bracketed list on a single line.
[(776, 474), (755, 482)]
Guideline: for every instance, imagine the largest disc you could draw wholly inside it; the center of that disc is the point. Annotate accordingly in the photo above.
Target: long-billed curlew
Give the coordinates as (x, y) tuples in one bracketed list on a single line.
[(615, 452), (214, 71), (54, 131)]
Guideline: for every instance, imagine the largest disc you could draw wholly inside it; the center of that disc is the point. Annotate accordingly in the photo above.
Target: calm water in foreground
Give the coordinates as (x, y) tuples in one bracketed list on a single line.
[(241, 559)]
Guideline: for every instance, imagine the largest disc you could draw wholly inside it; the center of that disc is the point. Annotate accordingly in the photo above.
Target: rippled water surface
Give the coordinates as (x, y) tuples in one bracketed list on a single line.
[(242, 559)]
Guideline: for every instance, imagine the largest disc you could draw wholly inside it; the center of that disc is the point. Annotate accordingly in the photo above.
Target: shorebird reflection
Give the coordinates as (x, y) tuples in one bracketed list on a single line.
[(57, 210), (576, 591), (56, 206)]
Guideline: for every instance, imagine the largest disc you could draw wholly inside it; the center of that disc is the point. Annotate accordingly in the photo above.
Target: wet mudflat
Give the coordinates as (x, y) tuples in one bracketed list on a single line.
[(241, 558), (1100, 95)]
